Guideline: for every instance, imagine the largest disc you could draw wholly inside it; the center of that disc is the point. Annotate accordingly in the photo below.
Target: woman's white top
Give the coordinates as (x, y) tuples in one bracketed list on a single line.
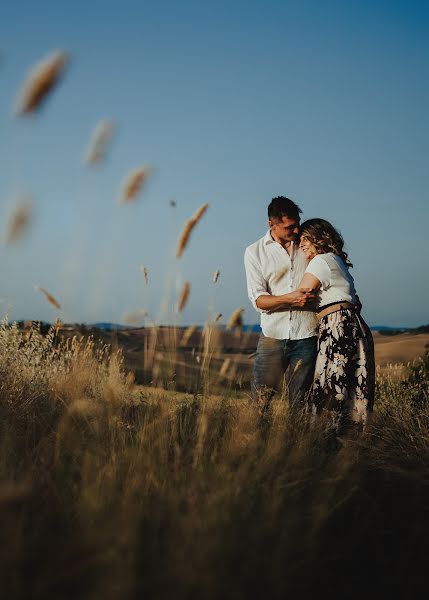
[(337, 283)]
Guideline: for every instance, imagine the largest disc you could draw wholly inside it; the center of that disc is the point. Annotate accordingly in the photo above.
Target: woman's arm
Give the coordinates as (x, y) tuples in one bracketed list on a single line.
[(310, 281)]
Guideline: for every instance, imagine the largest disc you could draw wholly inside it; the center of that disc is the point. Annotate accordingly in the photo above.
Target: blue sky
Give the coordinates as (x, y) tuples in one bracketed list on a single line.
[(232, 103)]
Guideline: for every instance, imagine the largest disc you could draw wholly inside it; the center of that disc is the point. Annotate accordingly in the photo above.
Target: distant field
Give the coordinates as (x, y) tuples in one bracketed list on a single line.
[(401, 348)]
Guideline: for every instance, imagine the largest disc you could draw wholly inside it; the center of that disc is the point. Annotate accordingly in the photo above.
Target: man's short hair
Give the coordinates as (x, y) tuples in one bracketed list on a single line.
[(281, 206)]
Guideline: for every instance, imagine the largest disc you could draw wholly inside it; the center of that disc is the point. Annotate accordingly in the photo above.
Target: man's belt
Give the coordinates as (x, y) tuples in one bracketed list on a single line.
[(334, 308)]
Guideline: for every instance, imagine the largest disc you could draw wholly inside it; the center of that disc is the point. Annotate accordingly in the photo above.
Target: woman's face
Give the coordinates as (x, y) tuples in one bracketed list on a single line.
[(307, 247)]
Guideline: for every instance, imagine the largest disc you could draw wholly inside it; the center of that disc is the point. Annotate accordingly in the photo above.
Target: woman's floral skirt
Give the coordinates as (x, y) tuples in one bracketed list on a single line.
[(344, 377)]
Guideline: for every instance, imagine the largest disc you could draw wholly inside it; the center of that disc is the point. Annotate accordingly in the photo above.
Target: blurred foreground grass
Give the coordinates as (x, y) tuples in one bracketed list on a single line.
[(112, 491)]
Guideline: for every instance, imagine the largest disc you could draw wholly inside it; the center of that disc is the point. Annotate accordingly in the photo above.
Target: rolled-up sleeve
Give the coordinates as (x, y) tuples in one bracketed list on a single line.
[(256, 284)]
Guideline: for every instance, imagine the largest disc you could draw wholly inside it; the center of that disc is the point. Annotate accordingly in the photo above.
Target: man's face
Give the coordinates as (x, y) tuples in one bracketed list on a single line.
[(285, 229)]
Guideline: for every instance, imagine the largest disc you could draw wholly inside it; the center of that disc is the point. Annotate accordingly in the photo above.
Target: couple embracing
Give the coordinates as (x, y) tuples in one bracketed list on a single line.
[(298, 279)]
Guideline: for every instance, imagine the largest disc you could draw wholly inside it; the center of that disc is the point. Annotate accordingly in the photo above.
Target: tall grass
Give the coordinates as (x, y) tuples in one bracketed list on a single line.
[(109, 490)]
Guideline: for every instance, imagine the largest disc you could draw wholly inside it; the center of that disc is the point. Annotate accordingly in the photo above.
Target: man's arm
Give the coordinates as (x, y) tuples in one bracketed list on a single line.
[(303, 298)]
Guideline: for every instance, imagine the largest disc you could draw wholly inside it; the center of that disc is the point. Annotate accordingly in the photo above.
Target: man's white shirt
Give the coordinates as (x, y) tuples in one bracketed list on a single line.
[(270, 270)]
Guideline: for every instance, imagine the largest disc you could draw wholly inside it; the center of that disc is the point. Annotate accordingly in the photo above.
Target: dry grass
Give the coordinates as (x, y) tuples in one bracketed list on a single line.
[(133, 183), (184, 296), (40, 81), (96, 151), (109, 490), (236, 319), (19, 221), (187, 334), (50, 298), (188, 228)]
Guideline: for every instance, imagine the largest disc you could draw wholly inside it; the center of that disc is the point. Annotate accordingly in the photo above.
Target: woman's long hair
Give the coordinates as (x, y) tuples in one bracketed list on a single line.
[(325, 238)]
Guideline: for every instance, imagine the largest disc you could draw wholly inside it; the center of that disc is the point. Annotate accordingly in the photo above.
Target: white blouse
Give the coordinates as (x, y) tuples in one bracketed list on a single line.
[(337, 283)]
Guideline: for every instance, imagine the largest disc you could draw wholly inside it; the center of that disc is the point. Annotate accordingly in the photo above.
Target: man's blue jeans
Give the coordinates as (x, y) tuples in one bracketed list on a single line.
[(276, 357)]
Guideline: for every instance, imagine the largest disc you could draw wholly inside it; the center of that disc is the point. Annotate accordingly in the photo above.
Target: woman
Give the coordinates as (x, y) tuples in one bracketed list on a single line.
[(344, 375)]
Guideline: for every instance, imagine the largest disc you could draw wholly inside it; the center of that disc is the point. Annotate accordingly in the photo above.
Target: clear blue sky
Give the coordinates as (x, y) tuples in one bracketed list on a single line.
[(233, 103)]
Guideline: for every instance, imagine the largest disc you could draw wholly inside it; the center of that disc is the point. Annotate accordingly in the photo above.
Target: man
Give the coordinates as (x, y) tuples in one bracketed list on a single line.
[(274, 268)]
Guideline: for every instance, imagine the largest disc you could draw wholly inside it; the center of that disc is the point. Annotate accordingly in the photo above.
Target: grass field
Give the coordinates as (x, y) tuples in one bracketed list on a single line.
[(167, 357), (112, 490)]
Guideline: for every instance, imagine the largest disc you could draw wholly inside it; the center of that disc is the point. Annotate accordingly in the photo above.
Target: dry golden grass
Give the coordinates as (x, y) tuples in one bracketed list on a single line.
[(19, 221), (40, 81), (188, 228), (187, 334), (49, 298), (96, 151), (184, 296), (236, 319), (109, 486), (133, 183)]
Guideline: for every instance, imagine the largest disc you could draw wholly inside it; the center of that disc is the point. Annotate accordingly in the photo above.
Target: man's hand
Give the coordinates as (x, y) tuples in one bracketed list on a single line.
[(302, 298)]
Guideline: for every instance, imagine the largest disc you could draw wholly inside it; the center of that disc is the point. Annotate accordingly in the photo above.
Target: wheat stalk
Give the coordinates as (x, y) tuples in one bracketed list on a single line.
[(225, 367), (58, 324), (19, 221), (216, 276), (189, 332), (132, 184), (187, 229), (236, 319), (184, 295), (49, 298), (101, 136), (41, 79)]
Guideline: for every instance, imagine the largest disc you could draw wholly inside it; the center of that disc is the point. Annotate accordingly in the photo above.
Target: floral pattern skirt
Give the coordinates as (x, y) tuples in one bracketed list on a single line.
[(344, 377)]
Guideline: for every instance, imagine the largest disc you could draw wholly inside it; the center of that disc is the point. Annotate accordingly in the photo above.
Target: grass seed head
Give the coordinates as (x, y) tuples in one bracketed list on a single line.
[(187, 229), (184, 295), (101, 136), (216, 276), (39, 82), (18, 223), (236, 319), (133, 183), (189, 332), (49, 298)]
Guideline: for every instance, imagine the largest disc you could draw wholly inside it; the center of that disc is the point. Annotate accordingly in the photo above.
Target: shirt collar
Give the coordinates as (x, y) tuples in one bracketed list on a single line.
[(269, 240)]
